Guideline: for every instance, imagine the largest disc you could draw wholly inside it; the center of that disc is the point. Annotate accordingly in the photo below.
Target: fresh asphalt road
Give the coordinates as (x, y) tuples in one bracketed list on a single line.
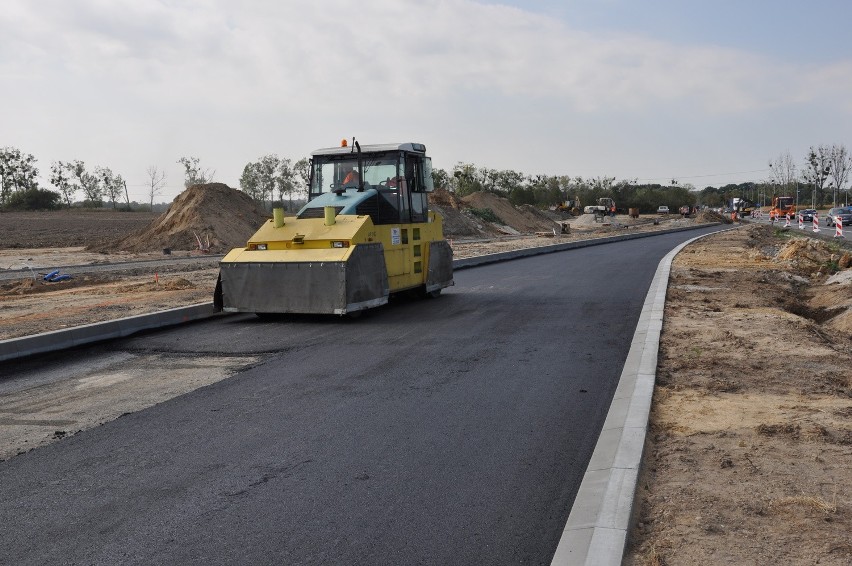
[(446, 431)]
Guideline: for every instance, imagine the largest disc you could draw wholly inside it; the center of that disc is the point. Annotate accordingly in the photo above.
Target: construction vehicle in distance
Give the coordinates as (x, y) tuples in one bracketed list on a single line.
[(743, 207), (365, 234), (782, 206), (605, 207), (571, 206)]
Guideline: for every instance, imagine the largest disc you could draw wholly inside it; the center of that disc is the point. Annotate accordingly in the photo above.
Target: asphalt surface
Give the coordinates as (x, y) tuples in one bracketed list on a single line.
[(445, 431)]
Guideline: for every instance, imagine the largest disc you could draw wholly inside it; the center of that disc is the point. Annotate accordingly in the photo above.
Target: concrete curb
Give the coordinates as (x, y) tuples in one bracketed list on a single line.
[(597, 528), (79, 335), (97, 332)]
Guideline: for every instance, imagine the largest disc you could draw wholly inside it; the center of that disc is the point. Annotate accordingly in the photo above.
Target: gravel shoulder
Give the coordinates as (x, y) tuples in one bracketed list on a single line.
[(749, 449)]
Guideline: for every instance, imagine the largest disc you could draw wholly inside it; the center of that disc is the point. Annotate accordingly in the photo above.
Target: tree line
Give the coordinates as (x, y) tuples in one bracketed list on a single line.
[(276, 179), (19, 186), (821, 178)]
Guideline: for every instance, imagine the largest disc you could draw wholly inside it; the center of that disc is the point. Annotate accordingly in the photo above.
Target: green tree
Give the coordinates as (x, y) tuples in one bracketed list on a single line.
[(89, 183), (286, 181), (272, 176), (440, 179), (258, 178), (302, 173), (17, 172), (508, 181), (33, 199), (61, 179), (465, 179), (111, 183), (193, 173)]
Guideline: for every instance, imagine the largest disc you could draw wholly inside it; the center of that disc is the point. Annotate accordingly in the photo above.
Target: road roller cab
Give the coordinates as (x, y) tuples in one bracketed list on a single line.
[(365, 233)]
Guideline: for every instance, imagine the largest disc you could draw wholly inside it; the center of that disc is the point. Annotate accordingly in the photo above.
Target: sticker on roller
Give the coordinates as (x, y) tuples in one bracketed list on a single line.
[(395, 238)]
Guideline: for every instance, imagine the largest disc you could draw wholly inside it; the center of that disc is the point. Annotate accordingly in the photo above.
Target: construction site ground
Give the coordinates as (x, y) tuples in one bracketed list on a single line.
[(748, 458), (749, 452), (29, 305)]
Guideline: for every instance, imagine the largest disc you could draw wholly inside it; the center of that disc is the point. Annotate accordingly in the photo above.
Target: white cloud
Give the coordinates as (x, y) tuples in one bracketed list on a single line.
[(127, 82), (267, 51)]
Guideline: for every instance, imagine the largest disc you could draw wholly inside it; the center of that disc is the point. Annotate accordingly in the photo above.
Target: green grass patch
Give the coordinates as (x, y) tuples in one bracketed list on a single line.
[(486, 214)]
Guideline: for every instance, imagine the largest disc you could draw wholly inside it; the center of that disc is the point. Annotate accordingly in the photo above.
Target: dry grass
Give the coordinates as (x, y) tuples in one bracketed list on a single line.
[(654, 557), (814, 503)]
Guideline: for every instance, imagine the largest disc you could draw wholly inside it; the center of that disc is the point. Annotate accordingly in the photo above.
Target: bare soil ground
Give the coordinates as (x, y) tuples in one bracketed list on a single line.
[(749, 453), (67, 228)]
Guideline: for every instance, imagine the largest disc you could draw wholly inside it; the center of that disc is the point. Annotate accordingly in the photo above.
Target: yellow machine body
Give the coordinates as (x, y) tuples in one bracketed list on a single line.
[(330, 260)]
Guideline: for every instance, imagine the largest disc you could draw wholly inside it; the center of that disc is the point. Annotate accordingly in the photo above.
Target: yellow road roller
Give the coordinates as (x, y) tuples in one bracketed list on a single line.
[(365, 234)]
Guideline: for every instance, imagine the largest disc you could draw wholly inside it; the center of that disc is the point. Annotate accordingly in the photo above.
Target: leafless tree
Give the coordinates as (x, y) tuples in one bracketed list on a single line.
[(782, 172), (156, 180), (841, 164), (817, 170)]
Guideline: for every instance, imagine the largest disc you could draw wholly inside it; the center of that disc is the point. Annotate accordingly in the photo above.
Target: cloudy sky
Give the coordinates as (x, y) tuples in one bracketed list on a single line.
[(705, 92)]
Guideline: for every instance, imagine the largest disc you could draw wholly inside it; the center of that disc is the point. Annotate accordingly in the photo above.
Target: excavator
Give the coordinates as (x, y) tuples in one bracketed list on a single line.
[(366, 233), (571, 206)]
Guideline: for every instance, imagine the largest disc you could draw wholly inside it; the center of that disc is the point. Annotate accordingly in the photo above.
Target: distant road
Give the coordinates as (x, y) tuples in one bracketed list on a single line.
[(445, 431)]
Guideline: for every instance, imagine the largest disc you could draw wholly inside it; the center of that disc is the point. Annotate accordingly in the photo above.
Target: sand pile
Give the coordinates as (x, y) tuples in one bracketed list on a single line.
[(456, 223), (221, 217), (711, 216), (589, 220), (807, 254), (835, 296), (444, 199), (525, 220)]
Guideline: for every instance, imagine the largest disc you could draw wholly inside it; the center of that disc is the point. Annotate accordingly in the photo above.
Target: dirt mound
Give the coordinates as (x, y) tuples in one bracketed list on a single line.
[(21, 287), (807, 254), (711, 216), (525, 220), (457, 224), (219, 216), (444, 199)]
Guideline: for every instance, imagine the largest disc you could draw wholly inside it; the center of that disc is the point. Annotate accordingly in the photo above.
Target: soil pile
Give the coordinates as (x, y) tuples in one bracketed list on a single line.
[(590, 220), (711, 216), (456, 223), (445, 199), (212, 217), (810, 255), (524, 220)]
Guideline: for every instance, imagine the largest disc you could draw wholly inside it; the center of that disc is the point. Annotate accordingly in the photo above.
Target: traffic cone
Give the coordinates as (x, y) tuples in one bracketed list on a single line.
[(816, 222)]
